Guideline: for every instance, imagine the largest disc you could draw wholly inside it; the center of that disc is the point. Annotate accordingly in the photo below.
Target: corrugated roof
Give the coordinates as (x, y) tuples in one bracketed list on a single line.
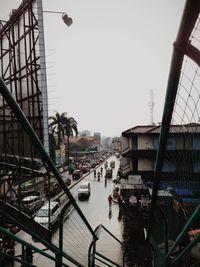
[(142, 129), (139, 129)]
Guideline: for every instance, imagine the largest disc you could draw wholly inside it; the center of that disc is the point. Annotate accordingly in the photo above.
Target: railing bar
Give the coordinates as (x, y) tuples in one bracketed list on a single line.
[(184, 231), (38, 250), (113, 236), (102, 262), (186, 249), (16, 238), (16, 259), (107, 259)]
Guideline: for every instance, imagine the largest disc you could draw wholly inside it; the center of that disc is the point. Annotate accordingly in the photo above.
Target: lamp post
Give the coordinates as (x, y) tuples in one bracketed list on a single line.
[(67, 20)]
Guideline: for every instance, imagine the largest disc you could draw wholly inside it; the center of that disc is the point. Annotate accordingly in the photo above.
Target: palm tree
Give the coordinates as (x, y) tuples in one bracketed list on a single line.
[(63, 126), (70, 128)]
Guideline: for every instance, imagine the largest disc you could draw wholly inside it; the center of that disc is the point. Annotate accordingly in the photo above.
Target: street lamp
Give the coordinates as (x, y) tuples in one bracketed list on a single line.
[(67, 20)]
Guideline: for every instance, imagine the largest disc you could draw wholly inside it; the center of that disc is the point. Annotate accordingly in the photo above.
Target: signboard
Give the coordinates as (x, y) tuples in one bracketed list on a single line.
[(134, 179)]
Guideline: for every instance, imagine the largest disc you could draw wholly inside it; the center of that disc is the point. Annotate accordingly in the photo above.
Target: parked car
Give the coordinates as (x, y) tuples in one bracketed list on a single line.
[(109, 173), (53, 189), (47, 212), (77, 174), (28, 192), (68, 181), (31, 204), (85, 168), (84, 189), (93, 165)]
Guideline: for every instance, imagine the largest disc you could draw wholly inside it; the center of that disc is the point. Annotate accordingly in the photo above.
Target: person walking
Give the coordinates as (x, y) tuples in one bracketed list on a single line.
[(110, 201), (98, 176), (101, 171)]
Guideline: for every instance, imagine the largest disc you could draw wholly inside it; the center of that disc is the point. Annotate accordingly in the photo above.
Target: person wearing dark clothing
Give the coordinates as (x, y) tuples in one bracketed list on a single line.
[(110, 201)]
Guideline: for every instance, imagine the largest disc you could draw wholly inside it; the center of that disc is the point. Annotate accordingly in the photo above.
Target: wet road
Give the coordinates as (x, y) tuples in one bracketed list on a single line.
[(96, 211), (96, 208)]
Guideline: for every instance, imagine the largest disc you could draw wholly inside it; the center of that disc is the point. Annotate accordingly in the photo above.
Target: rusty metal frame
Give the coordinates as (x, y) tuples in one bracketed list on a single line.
[(20, 69)]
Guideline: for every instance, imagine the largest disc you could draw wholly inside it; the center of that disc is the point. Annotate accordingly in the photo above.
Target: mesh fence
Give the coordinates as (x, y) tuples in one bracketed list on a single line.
[(179, 174)]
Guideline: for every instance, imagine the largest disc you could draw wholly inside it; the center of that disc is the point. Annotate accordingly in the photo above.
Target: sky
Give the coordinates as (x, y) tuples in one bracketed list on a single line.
[(102, 69)]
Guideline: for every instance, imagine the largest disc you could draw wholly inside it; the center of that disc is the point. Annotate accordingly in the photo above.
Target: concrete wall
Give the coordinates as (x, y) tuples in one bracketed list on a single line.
[(145, 142), (145, 165), (125, 143)]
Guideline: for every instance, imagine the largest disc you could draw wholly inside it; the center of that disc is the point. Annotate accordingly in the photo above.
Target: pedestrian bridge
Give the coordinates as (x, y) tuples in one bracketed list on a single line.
[(173, 232)]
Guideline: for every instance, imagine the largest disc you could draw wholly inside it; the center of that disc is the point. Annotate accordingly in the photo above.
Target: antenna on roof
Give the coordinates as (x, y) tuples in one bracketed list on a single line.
[(151, 105)]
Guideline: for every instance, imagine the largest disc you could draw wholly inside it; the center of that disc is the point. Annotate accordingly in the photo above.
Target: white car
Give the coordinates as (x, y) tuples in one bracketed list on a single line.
[(84, 189), (47, 211)]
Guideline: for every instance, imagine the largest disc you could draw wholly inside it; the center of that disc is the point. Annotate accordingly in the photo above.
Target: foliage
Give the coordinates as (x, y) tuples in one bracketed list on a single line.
[(60, 125)]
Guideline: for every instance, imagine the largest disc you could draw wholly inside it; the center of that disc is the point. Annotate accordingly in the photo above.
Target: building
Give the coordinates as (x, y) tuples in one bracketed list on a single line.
[(140, 145), (116, 142), (85, 133)]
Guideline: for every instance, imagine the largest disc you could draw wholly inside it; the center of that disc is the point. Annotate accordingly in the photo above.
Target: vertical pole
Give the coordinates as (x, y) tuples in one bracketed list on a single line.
[(43, 78)]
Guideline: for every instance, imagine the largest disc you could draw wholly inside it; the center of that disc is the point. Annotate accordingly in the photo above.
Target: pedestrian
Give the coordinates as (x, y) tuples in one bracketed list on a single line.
[(98, 175), (110, 201), (105, 181)]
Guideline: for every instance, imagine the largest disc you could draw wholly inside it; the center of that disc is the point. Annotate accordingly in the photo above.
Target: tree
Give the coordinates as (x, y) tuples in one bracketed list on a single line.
[(84, 143), (62, 126), (70, 129)]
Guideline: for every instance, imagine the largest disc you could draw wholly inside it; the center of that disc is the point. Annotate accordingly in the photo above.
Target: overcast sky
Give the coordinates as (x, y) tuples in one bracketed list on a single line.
[(101, 69)]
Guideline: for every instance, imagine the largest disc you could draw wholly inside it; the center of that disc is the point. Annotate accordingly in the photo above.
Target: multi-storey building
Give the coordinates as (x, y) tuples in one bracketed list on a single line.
[(140, 145), (116, 144)]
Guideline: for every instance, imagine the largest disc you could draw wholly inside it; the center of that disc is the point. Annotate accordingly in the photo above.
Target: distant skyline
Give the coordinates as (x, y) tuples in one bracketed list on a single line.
[(102, 68)]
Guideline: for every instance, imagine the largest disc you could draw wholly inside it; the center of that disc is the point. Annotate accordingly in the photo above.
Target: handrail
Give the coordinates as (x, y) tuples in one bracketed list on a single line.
[(93, 245), (91, 263), (107, 259), (19, 240)]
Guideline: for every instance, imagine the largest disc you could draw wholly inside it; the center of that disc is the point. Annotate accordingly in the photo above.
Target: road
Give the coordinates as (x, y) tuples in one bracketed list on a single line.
[(76, 237)]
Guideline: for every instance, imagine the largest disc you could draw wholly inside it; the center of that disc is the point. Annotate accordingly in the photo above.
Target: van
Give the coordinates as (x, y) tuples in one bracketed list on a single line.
[(47, 211), (84, 189)]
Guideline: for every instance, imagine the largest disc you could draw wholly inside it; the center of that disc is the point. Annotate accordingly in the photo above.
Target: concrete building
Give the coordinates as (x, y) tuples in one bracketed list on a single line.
[(140, 145)]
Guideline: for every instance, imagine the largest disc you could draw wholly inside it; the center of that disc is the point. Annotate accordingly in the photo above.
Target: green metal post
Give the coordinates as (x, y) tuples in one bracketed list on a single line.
[(165, 229), (185, 251), (187, 226), (61, 221)]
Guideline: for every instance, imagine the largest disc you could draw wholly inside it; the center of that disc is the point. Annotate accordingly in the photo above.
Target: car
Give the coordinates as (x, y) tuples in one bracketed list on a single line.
[(84, 189), (85, 168), (31, 204), (48, 211), (28, 192), (52, 189), (77, 174), (68, 181)]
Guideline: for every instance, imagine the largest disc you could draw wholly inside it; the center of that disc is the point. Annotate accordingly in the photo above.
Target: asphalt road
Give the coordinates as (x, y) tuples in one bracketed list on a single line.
[(95, 208)]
